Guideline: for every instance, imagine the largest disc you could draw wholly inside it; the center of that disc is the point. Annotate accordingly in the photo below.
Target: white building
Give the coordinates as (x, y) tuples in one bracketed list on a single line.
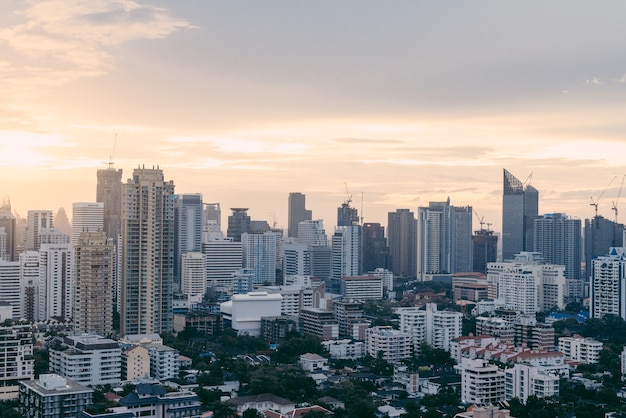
[(90, 360), (38, 221), (311, 362), (608, 284), (193, 273), (481, 382), (164, 361), (223, 258), (431, 326), (522, 381), (10, 286), (294, 297), (361, 288), (87, 217), (259, 254), (312, 233), (346, 251), (386, 276), (344, 349), (297, 260), (16, 359), (577, 348), (395, 345), (244, 312), (53, 396), (56, 284)]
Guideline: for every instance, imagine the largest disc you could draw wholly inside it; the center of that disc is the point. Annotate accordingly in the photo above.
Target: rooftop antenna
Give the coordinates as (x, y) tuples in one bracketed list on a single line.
[(111, 162), (594, 203)]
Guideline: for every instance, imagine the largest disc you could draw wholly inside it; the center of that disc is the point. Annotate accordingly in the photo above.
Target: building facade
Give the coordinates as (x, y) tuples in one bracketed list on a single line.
[(520, 205), (297, 212)]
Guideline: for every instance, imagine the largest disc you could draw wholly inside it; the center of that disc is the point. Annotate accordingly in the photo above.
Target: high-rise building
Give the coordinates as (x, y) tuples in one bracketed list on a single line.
[(56, 290), (86, 217), (188, 213), (238, 223), (558, 238), (94, 255), (608, 284), (223, 257), (213, 213), (297, 213), (346, 251), (312, 232), (601, 235), (7, 222), (10, 286), (444, 239), (38, 221), (259, 254), (347, 215), (520, 205), (402, 239), (109, 192), (29, 284), (485, 249), (374, 249), (193, 273), (147, 269)]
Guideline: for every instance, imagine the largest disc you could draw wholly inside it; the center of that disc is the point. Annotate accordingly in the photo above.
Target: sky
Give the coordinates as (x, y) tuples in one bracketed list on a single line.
[(393, 103)]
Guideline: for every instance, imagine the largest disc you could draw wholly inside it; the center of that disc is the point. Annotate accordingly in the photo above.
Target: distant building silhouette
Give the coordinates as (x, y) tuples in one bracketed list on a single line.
[(109, 192), (601, 235), (520, 205), (238, 223), (297, 212), (402, 240), (558, 238), (374, 249), (188, 213), (485, 249)]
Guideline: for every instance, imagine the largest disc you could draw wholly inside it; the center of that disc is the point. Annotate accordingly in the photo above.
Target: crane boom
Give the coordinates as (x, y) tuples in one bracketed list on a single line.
[(594, 203)]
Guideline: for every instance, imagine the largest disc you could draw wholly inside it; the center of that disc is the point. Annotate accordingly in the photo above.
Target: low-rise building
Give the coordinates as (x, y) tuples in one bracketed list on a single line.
[(53, 396), (263, 402), (311, 362), (164, 361), (135, 363), (244, 311), (394, 345), (152, 401), (319, 322), (523, 380), (481, 383), (345, 349), (577, 348)]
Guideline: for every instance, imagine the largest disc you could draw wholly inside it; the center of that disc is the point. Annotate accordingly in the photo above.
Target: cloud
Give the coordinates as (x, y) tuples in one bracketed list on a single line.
[(622, 79), (595, 80), (366, 141)]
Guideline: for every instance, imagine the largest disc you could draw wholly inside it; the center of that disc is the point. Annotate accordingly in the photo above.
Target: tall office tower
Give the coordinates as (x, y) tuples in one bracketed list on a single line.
[(297, 261), (374, 249), (213, 213), (193, 278), (608, 284), (346, 215), (109, 192), (86, 217), (38, 221), (520, 205), (600, 235), (346, 251), (188, 213), (223, 258), (321, 264), (558, 238), (10, 286), (238, 223), (7, 221), (56, 285), (297, 213), (402, 239), (94, 255), (147, 269), (62, 222), (29, 284), (444, 239), (485, 249), (259, 254), (312, 232)]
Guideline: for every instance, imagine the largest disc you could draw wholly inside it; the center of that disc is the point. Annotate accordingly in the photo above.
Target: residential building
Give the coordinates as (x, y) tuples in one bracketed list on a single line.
[(520, 205), (259, 254), (109, 192), (608, 284), (153, 401), (10, 290), (147, 253), (90, 360), (345, 349), (203, 321), (244, 312), (263, 402), (431, 326), (193, 273), (558, 239), (402, 239), (135, 363), (242, 281), (346, 251), (349, 316), (86, 217), (16, 358), (577, 348), (297, 212), (601, 235), (53, 396), (164, 361), (481, 382), (55, 281), (311, 362), (361, 288), (319, 322), (394, 345), (93, 282), (188, 214), (275, 329)]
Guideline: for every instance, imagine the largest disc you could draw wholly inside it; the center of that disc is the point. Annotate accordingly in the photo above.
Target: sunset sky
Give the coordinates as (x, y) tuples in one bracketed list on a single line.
[(406, 102)]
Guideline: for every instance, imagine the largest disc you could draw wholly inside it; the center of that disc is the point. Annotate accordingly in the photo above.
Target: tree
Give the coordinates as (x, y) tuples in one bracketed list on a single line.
[(224, 410), (252, 413)]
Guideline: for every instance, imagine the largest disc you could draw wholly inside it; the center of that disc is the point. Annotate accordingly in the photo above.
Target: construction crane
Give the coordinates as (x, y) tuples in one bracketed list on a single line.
[(594, 203), (349, 199), (528, 179), (615, 202), (110, 163), (480, 220)]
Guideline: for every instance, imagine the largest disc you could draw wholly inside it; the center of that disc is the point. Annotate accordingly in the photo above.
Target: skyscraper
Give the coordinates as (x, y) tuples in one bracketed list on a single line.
[(520, 205), (444, 239), (109, 192), (38, 221), (259, 254), (213, 213), (238, 223), (56, 291), (346, 251), (312, 232), (188, 212), (608, 284), (7, 221), (147, 253), (297, 213), (374, 249), (600, 235), (402, 239), (86, 217), (347, 215), (94, 255), (485, 249), (558, 238)]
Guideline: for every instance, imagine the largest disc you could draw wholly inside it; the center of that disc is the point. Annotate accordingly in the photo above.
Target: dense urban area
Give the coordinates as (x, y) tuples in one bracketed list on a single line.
[(145, 305)]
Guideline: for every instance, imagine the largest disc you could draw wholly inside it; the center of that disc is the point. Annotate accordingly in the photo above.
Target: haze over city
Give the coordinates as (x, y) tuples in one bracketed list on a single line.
[(403, 102)]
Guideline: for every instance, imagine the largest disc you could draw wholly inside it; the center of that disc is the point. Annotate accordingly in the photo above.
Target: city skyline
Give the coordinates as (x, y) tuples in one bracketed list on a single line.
[(404, 104)]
